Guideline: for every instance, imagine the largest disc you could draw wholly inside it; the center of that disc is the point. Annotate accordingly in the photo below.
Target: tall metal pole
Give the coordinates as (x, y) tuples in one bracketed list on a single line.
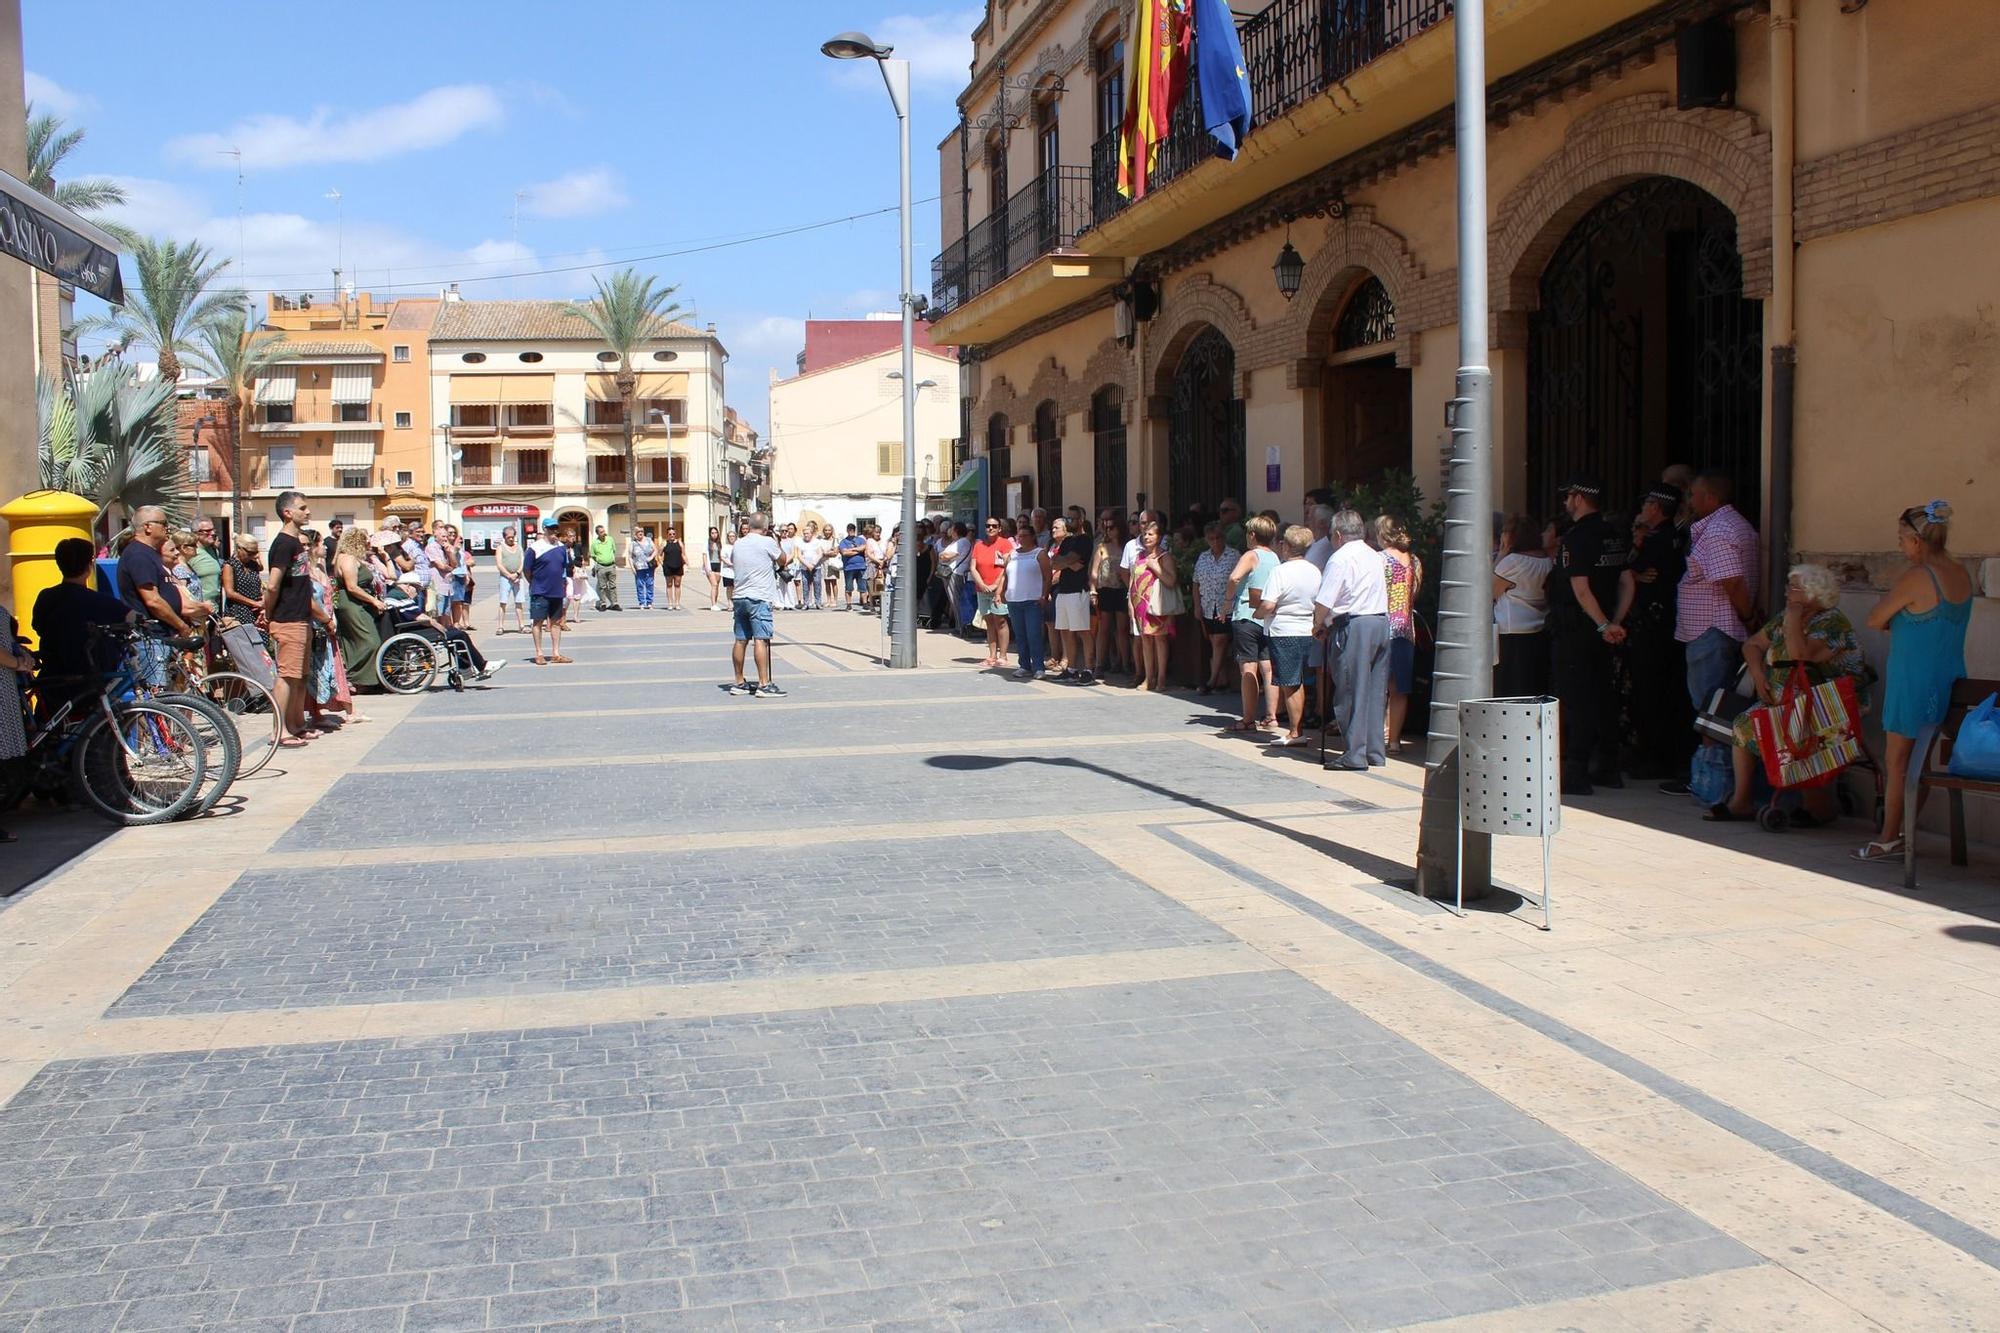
[(1465, 605), (903, 648)]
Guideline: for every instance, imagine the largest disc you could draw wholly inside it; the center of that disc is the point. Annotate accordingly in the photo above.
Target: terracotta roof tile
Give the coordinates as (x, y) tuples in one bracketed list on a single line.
[(413, 312), (514, 321)]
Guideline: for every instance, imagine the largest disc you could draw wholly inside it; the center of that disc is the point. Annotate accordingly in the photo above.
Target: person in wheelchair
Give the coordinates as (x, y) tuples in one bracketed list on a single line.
[(406, 614)]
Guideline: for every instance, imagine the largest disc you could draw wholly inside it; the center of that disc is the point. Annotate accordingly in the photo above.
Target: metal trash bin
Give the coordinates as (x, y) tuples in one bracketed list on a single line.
[(1509, 777)]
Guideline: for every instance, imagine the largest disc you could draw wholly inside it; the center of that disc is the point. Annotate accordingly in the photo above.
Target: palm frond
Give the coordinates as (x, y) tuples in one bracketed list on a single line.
[(88, 195), (109, 437), (629, 310)]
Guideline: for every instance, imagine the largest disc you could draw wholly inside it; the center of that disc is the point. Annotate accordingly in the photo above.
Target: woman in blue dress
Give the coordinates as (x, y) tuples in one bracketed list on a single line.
[(1926, 612)]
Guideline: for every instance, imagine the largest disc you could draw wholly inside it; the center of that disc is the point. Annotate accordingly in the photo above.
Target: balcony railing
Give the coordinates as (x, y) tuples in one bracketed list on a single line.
[(1294, 50), (1041, 217)]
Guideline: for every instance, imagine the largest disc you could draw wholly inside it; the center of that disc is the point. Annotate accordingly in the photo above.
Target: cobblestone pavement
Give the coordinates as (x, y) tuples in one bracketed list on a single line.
[(936, 1001)]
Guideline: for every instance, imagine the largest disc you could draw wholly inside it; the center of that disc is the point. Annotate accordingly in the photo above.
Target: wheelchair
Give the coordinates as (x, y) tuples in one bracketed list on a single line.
[(410, 659)]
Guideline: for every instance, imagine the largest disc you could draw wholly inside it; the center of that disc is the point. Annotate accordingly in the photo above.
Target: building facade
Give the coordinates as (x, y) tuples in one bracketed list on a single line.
[(837, 436), (1740, 236), (342, 415), (525, 421)]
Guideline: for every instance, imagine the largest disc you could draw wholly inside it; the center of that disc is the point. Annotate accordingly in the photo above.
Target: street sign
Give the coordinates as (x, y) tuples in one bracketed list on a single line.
[(500, 510), (41, 233)]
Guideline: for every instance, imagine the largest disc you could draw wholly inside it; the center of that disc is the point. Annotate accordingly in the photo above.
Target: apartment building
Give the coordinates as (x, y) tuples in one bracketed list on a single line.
[(1750, 236), (526, 421), (342, 416), (837, 426)]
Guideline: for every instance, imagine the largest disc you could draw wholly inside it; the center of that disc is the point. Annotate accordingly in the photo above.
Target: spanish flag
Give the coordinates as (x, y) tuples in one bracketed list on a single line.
[(1161, 37)]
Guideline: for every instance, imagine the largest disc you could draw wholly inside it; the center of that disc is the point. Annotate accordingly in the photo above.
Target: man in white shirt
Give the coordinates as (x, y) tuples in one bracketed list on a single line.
[(756, 561), (811, 552), (1353, 607), (1320, 519)]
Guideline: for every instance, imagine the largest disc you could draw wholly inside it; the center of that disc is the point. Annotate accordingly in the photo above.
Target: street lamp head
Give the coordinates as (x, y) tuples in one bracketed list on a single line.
[(855, 46)]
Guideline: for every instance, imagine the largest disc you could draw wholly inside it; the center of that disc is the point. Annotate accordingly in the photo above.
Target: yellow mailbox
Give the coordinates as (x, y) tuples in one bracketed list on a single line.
[(35, 523)]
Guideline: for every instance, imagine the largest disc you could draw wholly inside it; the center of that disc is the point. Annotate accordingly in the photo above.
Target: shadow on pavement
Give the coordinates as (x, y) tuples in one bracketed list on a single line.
[(49, 840)]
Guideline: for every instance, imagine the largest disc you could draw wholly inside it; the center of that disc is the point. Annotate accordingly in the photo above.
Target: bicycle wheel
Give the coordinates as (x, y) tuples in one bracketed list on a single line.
[(222, 750), (406, 663), (258, 724), (142, 765)]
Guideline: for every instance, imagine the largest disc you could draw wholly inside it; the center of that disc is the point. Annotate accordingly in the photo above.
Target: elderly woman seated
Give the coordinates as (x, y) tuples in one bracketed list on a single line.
[(1813, 640)]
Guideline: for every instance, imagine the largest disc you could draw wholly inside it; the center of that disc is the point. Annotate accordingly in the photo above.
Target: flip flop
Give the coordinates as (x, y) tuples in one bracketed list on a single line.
[(292, 743), (560, 658)]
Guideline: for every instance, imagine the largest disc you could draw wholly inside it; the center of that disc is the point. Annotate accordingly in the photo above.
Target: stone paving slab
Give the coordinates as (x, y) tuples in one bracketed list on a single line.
[(287, 939), (597, 687), (625, 798), (1224, 1152), (752, 727)]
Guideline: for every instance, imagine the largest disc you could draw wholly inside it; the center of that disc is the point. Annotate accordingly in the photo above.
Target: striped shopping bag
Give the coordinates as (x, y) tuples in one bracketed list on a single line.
[(1811, 734)]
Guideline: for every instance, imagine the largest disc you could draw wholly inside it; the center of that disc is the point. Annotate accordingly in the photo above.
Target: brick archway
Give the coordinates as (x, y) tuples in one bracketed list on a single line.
[(1051, 381), (1356, 246), (999, 397), (1721, 151), (1111, 364), (1201, 302)]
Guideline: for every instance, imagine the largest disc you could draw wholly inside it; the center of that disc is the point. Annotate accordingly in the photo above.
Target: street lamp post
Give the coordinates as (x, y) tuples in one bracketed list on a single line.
[(659, 418), (896, 74)]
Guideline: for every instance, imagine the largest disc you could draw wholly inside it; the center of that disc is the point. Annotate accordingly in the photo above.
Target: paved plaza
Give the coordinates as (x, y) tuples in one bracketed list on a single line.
[(598, 999)]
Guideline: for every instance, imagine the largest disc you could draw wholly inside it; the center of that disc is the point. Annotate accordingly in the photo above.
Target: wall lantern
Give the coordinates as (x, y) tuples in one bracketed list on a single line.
[(1290, 270), (1136, 301)]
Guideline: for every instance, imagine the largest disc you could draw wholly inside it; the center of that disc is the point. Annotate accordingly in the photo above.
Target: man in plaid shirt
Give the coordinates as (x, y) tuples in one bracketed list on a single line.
[(1717, 594)]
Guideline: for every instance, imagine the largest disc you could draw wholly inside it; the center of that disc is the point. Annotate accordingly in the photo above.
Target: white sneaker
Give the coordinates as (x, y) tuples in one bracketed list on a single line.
[(493, 666)]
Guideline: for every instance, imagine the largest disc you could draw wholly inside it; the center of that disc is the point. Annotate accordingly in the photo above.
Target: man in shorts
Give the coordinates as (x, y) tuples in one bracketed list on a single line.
[(548, 585), (853, 567), (757, 560), (288, 610)]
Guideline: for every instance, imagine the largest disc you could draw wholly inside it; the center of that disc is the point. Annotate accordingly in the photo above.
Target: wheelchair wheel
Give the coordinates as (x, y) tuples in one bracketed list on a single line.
[(405, 663), (456, 679)]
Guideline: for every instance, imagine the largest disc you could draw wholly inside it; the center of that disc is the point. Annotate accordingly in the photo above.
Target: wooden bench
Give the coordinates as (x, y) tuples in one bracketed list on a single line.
[(1932, 755)]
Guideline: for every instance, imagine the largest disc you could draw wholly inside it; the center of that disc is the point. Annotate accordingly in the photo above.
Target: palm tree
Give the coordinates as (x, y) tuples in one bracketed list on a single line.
[(235, 354), (48, 144), (629, 311), (109, 437), (171, 303)]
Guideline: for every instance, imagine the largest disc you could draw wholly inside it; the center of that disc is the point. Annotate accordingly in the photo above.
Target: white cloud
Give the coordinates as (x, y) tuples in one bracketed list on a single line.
[(577, 194), (938, 47), (429, 120), (775, 338), (48, 95)]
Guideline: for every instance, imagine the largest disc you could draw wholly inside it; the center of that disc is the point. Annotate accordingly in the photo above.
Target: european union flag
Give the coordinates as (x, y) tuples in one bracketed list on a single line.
[(1222, 78)]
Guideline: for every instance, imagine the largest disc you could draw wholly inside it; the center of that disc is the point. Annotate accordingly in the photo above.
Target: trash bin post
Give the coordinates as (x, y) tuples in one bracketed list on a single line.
[(1509, 776)]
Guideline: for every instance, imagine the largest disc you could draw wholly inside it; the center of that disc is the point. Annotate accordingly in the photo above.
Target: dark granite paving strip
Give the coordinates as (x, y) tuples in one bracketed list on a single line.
[(749, 726), (1954, 1231), (1192, 1154), (287, 939), (464, 807)]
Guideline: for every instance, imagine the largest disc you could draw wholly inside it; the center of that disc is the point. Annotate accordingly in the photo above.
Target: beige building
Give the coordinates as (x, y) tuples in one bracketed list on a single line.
[(525, 421), (342, 416), (837, 439), (1686, 198)]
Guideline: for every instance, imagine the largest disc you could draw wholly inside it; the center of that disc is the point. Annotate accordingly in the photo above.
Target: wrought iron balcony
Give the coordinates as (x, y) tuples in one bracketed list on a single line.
[(1040, 218)]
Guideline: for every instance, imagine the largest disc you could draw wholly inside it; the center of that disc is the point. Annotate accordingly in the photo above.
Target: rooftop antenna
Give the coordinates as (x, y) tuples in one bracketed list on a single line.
[(340, 245), (237, 153), (518, 194)]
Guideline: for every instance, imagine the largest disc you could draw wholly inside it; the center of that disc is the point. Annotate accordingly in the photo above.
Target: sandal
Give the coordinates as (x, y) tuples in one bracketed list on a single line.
[(541, 661), (1240, 725), (1722, 814), (560, 658), (1892, 850)]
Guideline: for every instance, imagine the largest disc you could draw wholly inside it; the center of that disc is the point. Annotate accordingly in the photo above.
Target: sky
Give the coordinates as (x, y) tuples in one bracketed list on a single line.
[(492, 144)]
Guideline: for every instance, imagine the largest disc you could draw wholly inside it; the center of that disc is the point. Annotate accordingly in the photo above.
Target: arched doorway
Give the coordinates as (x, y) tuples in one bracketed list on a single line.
[(999, 465), (1107, 435), (1365, 396), (1048, 458), (1204, 427), (1644, 352), (574, 523)]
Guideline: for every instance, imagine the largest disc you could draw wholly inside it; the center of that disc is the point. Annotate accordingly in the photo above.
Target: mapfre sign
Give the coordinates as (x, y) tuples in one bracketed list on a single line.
[(43, 234)]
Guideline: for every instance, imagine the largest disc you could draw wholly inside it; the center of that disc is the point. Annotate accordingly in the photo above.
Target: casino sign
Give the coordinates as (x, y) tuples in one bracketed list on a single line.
[(41, 233)]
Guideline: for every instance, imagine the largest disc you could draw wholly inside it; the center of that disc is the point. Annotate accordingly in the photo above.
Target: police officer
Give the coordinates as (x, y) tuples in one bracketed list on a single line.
[(1590, 594), (1656, 660)]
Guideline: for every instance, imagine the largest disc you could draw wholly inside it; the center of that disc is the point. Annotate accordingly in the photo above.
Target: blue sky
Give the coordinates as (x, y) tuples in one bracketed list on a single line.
[(627, 129)]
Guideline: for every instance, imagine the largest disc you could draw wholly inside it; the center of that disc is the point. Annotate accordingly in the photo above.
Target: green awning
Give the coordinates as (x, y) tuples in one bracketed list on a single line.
[(967, 482)]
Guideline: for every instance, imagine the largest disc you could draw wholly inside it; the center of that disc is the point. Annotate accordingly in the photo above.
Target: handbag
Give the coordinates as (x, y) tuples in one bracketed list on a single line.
[(1809, 735), (1717, 720), (1975, 753)]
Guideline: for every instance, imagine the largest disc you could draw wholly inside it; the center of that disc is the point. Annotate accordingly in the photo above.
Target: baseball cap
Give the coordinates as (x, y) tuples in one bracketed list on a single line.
[(1582, 483), (550, 523)]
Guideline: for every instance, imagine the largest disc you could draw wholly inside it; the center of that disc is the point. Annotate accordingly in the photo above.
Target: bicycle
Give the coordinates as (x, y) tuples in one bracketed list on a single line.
[(135, 762), (243, 698)]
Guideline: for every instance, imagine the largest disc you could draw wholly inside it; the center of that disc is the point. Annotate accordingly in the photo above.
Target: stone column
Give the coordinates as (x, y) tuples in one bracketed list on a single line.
[(20, 471)]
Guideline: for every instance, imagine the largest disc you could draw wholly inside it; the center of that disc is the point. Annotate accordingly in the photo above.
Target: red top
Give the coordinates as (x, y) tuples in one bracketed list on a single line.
[(987, 558)]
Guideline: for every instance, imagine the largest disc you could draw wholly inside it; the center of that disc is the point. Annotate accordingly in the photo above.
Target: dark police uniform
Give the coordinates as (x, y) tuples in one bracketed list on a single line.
[(1657, 660), (1582, 661)]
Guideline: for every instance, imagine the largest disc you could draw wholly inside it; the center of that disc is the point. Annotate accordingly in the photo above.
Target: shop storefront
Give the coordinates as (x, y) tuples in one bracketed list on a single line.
[(481, 524)]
